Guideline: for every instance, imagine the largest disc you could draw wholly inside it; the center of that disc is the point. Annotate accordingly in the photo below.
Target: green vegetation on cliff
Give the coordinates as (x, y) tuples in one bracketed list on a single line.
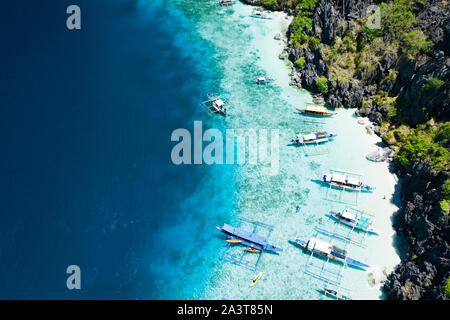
[(447, 288), (269, 3), (355, 57), (433, 83), (445, 203), (347, 59), (396, 16), (300, 63), (415, 42)]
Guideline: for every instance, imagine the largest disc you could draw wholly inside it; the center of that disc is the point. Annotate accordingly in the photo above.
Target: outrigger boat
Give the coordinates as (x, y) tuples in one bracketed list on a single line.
[(226, 2), (252, 241), (346, 182), (335, 294), (260, 15), (264, 80), (313, 138), (316, 111), (354, 221), (327, 250), (215, 105)]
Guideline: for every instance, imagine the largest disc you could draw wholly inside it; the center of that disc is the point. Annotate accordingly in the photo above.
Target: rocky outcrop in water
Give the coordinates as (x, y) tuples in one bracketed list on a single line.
[(382, 154)]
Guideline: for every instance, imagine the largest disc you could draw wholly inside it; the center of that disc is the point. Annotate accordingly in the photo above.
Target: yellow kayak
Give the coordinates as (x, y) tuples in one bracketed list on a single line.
[(256, 279)]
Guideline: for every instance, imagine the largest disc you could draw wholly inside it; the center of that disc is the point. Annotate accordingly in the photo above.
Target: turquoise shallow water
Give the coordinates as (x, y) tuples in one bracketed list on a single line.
[(87, 176), (95, 170)]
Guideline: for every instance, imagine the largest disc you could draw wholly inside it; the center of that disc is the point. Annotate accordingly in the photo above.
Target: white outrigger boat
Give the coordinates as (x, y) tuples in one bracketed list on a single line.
[(313, 138), (346, 182), (335, 294), (329, 251), (215, 105), (354, 220), (264, 80)]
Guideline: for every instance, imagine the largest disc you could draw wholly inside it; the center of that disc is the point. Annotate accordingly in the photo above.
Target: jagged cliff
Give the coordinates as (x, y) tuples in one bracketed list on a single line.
[(397, 75)]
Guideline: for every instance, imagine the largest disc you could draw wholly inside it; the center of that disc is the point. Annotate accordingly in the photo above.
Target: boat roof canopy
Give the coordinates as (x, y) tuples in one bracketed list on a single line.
[(309, 136), (243, 234), (262, 78), (316, 109), (338, 177), (317, 244)]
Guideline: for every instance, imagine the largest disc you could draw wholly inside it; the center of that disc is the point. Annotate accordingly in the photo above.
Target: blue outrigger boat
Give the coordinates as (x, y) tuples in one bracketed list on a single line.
[(255, 244), (326, 250), (252, 241)]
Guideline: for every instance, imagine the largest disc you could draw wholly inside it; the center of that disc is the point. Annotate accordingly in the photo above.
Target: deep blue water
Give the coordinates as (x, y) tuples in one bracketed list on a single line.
[(85, 167)]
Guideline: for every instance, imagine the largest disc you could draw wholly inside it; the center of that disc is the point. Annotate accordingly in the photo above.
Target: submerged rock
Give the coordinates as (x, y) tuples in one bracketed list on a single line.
[(369, 129)]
